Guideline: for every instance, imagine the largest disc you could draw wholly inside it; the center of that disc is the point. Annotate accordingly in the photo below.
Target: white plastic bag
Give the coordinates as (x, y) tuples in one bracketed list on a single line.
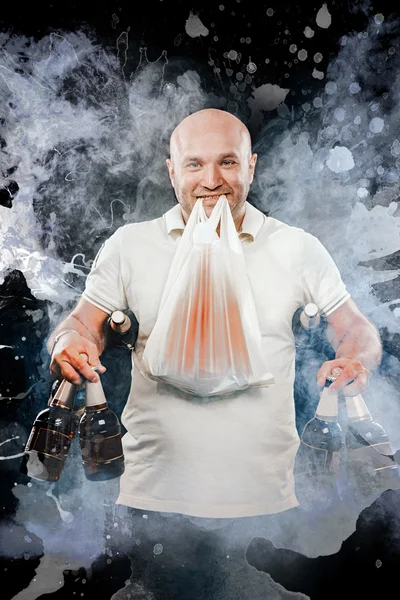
[(207, 339)]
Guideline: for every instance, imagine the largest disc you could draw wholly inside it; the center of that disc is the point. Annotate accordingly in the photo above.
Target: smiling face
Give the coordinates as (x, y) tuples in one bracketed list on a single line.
[(211, 156)]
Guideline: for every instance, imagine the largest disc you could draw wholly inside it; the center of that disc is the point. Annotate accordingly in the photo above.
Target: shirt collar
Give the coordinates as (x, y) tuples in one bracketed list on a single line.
[(252, 222)]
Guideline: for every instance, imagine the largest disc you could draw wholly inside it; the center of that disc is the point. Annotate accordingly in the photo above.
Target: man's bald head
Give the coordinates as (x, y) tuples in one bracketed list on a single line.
[(208, 119), (210, 157)]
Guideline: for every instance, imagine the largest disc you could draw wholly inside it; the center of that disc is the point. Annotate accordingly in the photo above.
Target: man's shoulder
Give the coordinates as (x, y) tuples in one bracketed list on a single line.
[(275, 226), (140, 228)]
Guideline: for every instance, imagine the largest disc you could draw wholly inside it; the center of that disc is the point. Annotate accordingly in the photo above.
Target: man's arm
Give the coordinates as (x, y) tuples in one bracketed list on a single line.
[(77, 351), (358, 348)]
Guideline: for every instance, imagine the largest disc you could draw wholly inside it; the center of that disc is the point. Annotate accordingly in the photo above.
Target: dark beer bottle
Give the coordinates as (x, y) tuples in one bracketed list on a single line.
[(122, 330), (100, 436), (369, 455), (50, 438)]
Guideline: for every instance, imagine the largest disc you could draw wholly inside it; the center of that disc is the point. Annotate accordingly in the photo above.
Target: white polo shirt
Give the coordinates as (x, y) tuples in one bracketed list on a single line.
[(227, 456)]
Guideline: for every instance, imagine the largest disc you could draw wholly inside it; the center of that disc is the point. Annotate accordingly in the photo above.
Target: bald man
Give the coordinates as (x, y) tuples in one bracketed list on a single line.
[(231, 457)]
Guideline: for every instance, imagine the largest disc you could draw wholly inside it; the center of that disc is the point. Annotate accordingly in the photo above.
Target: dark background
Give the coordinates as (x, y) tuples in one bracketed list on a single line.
[(154, 28)]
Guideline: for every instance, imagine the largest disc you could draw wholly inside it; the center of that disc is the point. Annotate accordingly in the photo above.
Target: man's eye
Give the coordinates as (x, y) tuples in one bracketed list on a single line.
[(228, 162), (193, 164)]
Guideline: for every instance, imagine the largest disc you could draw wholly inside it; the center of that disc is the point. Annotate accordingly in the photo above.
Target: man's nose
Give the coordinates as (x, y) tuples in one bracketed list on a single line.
[(212, 177)]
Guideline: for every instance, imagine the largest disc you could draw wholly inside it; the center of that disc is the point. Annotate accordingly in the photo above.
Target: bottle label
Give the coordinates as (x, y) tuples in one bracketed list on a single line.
[(376, 456), (101, 450), (49, 442)]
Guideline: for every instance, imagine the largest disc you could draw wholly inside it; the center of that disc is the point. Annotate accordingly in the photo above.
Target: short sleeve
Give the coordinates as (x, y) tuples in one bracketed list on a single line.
[(104, 286), (322, 282)]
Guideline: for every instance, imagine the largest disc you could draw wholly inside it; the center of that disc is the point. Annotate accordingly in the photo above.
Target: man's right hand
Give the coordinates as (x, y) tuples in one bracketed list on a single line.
[(74, 358)]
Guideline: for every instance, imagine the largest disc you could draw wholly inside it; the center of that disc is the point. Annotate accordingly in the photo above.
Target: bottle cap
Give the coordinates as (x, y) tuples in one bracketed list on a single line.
[(334, 374), (311, 310), (118, 317)]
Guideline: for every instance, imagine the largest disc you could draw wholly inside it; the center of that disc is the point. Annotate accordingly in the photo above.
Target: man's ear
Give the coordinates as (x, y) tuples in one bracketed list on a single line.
[(252, 166), (171, 171)]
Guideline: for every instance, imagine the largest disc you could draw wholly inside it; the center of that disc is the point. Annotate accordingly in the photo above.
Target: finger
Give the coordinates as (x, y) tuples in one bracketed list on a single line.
[(93, 358), (349, 372), (324, 371), (358, 386), (55, 370), (69, 373), (79, 363)]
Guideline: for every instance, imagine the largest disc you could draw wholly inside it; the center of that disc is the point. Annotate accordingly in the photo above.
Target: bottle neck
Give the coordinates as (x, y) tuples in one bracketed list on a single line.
[(64, 396), (357, 410), (309, 322), (96, 407), (95, 396), (328, 408)]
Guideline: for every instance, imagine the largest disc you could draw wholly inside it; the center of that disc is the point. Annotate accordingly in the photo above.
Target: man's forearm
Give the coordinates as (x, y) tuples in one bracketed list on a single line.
[(363, 343), (73, 322)]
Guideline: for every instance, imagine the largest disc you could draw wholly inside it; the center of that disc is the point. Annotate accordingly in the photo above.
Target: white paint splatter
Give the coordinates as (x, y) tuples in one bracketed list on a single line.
[(331, 87), (169, 90), (251, 67), (266, 97), (362, 192), (323, 17), (357, 120), (354, 88), (306, 106), (194, 27), (65, 515), (340, 160), (339, 114), (232, 55), (318, 74), (395, 148), (308, 32), (376, 125), (283, 110), (318, 57), (158, 548), (293, 48), (375, 232), (379, 18), (302, 54), (317, 102)]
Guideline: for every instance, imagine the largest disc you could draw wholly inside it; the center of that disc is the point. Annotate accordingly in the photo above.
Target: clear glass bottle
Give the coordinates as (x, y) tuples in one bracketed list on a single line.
[(100, 436), (305, 325), (369, 454), (322, 439), (51, 435)]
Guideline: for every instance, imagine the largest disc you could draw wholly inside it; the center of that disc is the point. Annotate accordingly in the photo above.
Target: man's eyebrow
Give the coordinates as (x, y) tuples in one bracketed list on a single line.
[(219, 157)]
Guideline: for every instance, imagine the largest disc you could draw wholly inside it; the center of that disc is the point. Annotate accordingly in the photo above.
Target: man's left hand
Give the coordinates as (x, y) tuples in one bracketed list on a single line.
[(351, 371)]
